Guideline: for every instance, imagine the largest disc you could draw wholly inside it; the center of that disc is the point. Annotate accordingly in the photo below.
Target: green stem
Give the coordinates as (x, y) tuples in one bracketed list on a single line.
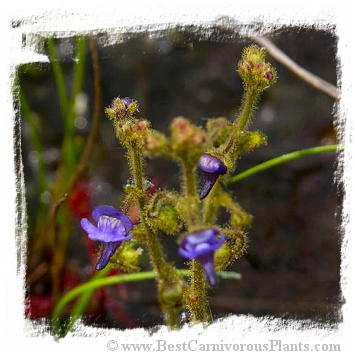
[(83, 301), (188, 178), (154, 246), (91, 285), (36, 142), (59, 237), (281, 160), (58, 76), (42, 183), (89, 146), (197, 296), (166, 274), (210, 207), (251, 97), (231, 150), (78, 81), (192, 213)]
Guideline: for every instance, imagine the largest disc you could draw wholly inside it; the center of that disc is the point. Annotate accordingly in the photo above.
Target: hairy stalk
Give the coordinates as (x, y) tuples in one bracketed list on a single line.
[(231, 152), (154, 246), (190, 194), (166, 275), (210, 206), (195, 295), (251, 97), (188, 178)]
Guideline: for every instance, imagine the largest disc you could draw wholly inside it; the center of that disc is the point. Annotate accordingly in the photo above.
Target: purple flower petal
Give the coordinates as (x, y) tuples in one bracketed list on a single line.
[(211, 164), (201, 245), (209, 181), (91, 230), (108, 250), (112, 229), (112, 212), (207, 264)]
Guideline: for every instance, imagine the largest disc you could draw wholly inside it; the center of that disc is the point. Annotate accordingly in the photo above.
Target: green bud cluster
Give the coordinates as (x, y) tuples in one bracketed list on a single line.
[(254, 71)]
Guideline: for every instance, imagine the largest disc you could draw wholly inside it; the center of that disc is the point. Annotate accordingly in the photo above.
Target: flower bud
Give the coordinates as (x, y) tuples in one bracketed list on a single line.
[(155, 143), (218, 130), (187, 140), (170, 296), (251, 140), (128, 257), (163, 214), (235, 247), (222, 257), (240, 219)]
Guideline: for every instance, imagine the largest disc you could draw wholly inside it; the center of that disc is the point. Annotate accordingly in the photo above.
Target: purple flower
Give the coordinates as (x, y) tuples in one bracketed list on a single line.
[(212, 167), (201, 245), (112, 228)]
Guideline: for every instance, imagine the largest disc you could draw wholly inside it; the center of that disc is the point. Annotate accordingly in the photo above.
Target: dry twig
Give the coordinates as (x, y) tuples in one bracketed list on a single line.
[(307, 76)]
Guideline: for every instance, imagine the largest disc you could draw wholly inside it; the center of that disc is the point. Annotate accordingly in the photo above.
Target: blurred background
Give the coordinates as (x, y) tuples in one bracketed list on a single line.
[(292, 268)]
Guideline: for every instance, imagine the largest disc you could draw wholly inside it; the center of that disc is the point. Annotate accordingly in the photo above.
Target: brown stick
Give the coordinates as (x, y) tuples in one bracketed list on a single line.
[(307, 76)]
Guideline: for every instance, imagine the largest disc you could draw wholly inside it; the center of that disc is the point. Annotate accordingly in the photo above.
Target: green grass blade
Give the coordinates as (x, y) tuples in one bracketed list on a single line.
[(83, 301), (78, 82), (58, 76), (36, 142), (281, 160), (99, 282)]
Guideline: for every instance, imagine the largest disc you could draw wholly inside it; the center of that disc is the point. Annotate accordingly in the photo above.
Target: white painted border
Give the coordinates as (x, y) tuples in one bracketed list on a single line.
[(68, 17)]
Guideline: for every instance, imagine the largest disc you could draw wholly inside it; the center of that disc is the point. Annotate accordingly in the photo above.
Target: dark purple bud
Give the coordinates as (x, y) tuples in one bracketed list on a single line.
[(127, 101), (212, 168), (201, 245), (112, 229)]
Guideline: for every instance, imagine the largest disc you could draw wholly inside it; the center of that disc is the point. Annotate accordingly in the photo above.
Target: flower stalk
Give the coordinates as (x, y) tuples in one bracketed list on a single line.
[(132, 134)]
